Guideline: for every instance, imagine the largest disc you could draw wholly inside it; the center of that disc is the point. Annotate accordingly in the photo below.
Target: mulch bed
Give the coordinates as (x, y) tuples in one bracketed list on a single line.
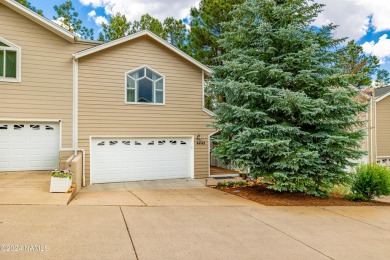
[(260, 194)]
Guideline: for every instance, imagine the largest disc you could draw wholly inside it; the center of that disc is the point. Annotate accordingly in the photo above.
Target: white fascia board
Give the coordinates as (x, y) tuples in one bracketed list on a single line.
[(207, 111), (46, 23), (382, 97), (137, 35)]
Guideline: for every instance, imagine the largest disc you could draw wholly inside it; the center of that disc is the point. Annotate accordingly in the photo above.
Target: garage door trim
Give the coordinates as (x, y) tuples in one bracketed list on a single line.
[(192, 163)]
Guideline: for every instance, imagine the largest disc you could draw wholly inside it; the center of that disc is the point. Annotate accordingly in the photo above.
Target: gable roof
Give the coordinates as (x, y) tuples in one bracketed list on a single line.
[(44, 22), (136, 35), (381, 93)]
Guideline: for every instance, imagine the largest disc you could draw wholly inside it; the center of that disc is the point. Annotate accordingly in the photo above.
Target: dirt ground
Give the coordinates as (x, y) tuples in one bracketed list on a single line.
[(264, 196)]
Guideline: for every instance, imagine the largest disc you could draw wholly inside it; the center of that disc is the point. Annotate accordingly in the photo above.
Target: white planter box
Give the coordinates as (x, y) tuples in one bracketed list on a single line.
[(60, 184)]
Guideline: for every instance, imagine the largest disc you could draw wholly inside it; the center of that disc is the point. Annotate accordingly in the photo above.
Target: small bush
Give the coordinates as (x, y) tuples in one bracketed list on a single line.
[(356, 197), (342, 190), (231, 183), (370, 180)]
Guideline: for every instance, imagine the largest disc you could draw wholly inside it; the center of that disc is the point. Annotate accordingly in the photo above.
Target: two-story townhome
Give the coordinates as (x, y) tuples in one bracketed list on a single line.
[(133, 106)]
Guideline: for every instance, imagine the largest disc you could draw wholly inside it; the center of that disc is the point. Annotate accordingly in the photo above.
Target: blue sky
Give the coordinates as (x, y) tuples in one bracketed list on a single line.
[(366, 21)]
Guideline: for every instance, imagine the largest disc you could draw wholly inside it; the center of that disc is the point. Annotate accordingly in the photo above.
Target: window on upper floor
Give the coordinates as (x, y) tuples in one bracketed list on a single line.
[(144, 85), (9, 61)]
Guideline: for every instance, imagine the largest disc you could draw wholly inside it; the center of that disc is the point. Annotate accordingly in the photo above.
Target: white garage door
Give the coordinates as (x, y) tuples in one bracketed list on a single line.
[(135, 159), (29, 146)]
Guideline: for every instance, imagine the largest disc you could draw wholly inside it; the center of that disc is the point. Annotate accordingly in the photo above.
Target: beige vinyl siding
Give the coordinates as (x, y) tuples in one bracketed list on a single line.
[(46, 89), (383, 127), (102, 108)]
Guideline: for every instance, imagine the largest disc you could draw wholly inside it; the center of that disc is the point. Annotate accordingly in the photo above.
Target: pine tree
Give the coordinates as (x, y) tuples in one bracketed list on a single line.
[(174, 32), (117, 28), (382, 78), (67, 15), (352, 60), (30, 6), (147, 22), (289, 114), (206, 29)]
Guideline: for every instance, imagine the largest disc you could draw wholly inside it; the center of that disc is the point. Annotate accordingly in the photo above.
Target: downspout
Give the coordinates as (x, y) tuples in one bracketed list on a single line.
[(371, 132), (375, 155), (76, 114), (83, 153), (75, 105)]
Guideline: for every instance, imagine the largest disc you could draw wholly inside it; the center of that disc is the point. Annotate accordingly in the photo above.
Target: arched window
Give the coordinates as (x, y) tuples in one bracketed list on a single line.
[(144, 85), (9, 61)]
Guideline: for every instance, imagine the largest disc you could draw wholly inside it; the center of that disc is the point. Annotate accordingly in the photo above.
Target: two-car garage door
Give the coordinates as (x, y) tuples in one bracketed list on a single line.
[(29, 146), (134, 159)]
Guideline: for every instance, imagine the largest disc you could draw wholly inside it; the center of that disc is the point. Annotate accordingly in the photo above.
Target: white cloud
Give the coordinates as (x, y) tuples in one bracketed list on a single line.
[(100, 20), (352, 16), (91, 14), (381, 49), (60, 22), (134, 9)]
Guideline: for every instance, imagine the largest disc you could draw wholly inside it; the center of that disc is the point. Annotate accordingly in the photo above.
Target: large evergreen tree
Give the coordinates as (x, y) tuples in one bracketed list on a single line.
[(289, 114)]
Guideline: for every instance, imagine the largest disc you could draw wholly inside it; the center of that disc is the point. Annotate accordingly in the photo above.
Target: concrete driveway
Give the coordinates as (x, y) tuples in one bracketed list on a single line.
[(179, 192), (185, 220), (29, 188)]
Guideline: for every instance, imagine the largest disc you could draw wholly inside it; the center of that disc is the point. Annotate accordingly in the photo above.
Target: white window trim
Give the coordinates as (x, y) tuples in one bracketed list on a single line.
[(18, 61), (144, 103)]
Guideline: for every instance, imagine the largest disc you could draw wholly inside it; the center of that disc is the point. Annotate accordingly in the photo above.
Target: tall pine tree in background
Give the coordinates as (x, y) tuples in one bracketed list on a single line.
[(175, 32), (290, 114), (206, 29), (117, 28), (30, 6), (352, 60), (382, 78), (172, 30), (70, 20), (147, 22)]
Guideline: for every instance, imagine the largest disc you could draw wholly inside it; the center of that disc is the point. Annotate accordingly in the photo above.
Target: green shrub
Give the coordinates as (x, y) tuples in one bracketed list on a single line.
[(231, 183), (342, 190), (356, 197), (370, 180)]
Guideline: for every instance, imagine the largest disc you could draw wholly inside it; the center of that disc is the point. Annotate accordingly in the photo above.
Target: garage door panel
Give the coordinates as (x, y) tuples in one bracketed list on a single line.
[(29, 146), (4, 140), (134, 159), (4, 153), (4, 164)]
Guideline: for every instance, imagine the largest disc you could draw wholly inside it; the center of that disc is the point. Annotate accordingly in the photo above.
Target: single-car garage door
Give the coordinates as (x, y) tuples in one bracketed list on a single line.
[(135, 159), (29, 146)]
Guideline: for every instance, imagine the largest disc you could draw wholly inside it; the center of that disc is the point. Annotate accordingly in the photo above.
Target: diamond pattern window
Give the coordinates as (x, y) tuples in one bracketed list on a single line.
[(144, 85)]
